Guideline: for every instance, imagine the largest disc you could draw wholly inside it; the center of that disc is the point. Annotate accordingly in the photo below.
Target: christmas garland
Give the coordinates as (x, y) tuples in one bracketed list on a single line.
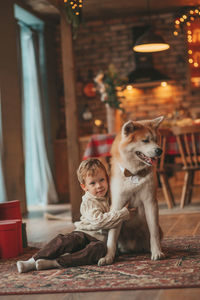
[(185, 17), (183, 22), (73, 9)]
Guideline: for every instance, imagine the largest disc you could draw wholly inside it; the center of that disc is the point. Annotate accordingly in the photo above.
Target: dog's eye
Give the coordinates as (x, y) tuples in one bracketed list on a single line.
[(145, 141)]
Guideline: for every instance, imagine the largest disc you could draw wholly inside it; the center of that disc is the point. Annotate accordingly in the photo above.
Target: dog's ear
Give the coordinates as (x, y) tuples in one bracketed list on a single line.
[(129, 127), (155, 123)]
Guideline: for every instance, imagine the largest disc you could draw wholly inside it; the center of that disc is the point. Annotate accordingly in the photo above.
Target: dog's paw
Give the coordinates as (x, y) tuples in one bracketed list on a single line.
[(107, 260), (157, 255)]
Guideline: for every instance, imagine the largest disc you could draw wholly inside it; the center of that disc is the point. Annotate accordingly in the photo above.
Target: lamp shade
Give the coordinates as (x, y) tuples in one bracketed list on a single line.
[(150, 42)]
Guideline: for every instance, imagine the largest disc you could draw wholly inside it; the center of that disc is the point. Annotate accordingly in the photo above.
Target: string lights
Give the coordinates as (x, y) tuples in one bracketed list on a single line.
[(73, 10), (190, 21), (187, 17), (75, 5)]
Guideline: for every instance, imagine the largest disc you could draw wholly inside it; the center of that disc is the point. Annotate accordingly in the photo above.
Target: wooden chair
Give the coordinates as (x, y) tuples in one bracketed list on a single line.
[(163, 168), (188, 139)]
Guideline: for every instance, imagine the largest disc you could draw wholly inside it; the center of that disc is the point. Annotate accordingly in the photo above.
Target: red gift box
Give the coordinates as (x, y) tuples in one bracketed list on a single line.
[(10, 210), (10, 229), (18, 233), (9, 240)]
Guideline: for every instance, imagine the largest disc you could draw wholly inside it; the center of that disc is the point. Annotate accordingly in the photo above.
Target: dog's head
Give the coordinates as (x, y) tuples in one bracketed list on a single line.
[(139, 141)]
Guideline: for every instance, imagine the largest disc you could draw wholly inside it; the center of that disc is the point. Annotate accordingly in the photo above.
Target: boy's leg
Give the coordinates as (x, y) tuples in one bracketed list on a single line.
[(61, 244), (87, 256), (45, 264)]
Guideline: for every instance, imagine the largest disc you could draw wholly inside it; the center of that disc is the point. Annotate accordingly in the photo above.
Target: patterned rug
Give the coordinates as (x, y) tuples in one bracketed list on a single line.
[(180, 268)]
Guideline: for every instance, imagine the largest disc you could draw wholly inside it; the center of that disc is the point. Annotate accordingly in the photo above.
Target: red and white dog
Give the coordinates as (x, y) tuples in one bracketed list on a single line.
[(134, 152)]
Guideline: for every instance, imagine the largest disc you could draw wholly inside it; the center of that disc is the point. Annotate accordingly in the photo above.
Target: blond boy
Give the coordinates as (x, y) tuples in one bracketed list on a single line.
[(87, 243)]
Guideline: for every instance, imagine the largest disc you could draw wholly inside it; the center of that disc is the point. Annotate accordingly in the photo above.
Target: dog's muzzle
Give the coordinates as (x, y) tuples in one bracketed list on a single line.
[(147, 159)]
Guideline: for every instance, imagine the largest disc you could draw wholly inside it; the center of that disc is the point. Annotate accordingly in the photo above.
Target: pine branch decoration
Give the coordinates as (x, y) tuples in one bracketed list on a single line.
[(73, 9)]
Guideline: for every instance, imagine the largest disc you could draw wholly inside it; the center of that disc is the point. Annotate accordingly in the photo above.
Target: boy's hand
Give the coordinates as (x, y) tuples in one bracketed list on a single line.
[(130, 209)]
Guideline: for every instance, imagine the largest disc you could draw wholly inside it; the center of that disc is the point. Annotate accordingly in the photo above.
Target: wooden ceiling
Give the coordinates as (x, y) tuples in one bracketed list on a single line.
[(99, 9), (104, 9)]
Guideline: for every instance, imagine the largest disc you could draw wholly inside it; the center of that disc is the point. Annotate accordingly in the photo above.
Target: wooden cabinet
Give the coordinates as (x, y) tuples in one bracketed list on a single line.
[(61, 166)]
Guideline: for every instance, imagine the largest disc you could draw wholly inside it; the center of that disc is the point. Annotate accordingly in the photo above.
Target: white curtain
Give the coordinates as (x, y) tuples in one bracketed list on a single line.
[(40, 188), (3, 197)]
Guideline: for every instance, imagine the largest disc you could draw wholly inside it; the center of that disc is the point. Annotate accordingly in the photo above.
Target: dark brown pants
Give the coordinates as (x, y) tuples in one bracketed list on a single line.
[(83, 249)]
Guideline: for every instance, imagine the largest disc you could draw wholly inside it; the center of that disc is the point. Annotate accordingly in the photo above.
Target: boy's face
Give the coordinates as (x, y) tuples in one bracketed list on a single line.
[(96, 184)]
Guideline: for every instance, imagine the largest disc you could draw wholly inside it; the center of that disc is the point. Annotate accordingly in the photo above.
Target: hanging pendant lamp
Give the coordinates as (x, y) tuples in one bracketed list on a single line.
[(150, 41)]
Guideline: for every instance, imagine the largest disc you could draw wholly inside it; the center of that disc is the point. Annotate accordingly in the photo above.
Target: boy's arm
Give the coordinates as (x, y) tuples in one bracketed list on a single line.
[(98, 220)]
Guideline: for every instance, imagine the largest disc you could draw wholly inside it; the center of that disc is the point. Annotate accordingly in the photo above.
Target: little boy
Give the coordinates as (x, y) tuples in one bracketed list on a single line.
[(87, 243)]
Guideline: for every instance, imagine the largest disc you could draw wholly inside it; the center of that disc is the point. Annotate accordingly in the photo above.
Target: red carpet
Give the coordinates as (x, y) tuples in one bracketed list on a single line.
[(180, 268)]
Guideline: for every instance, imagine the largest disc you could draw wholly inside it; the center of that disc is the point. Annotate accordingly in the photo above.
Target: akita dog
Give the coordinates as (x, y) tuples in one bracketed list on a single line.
[(134, 152)]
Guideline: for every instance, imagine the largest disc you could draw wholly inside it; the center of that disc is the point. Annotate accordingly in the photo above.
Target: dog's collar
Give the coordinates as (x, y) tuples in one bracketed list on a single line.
[(135, 177)]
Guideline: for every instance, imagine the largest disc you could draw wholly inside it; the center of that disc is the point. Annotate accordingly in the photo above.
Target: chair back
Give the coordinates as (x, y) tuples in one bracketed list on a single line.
[(188, 139), (163, 134)]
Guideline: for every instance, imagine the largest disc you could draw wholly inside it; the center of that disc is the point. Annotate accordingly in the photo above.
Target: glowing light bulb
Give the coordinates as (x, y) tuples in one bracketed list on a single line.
[(190, 60), (97, 122), (163, 84), (129, 87)]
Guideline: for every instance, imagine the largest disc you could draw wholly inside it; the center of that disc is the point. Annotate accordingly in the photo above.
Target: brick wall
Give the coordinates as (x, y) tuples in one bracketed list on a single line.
[(100, 43)]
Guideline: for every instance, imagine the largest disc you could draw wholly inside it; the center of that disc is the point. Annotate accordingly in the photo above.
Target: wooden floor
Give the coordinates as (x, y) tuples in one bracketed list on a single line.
[(175, 222)]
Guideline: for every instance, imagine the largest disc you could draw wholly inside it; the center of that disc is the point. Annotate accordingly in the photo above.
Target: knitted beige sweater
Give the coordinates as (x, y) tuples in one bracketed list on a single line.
[(97, 218)]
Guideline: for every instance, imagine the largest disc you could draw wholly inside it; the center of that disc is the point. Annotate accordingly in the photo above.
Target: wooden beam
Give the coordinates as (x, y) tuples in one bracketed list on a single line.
[(11, 108), (70, 116), (59, 4)]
